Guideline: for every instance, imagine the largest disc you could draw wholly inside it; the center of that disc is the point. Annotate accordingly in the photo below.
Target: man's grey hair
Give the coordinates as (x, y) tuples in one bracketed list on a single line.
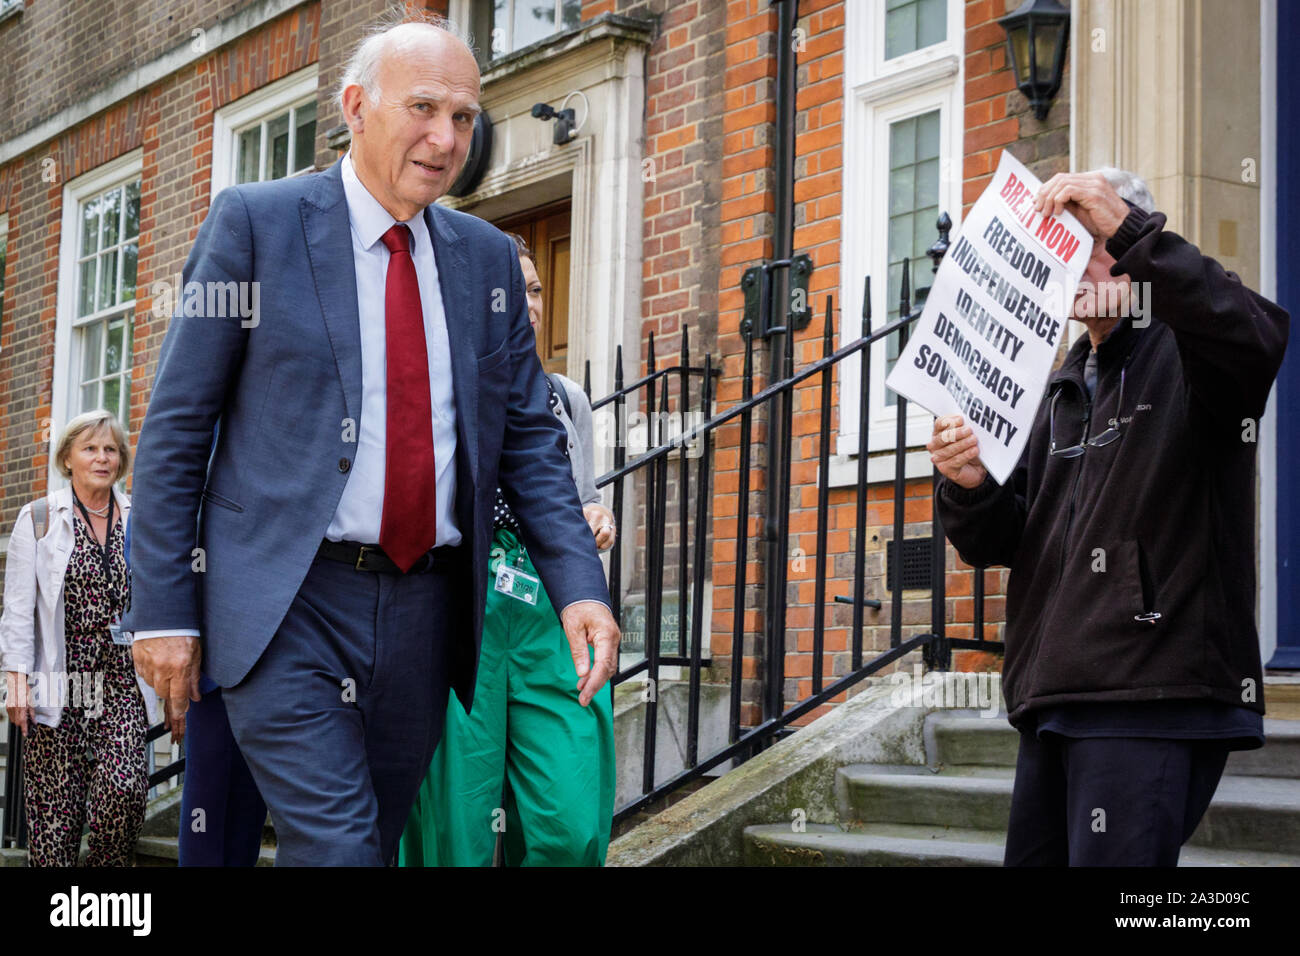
[(362, 68), (1130, 186)]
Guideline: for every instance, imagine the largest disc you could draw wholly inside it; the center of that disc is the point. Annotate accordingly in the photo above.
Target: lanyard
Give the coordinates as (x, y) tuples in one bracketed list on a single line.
[(108, 533)]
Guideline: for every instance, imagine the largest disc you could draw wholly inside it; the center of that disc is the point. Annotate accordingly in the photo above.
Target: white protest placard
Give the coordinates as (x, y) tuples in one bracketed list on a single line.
[(985, 342)]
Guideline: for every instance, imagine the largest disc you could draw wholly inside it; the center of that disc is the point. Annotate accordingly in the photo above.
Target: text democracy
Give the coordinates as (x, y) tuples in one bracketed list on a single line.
[(999, 383), (976, 410)]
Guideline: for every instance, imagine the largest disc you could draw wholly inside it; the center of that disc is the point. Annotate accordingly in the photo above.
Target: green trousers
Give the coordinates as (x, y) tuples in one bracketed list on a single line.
[(527, 729)]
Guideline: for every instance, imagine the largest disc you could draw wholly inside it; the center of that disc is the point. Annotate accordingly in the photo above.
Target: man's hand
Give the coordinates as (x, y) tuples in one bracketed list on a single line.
[(589, 622), (171, 666), (18, 701), (601, 521), (955, 450), (1088, 196), (175, 723)]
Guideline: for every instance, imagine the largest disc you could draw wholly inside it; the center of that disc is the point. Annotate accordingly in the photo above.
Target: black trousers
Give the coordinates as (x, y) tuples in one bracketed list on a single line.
[(1108, 801)]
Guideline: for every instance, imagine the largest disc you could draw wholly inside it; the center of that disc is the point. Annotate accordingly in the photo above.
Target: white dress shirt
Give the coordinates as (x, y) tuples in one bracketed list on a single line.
[(359, 511)]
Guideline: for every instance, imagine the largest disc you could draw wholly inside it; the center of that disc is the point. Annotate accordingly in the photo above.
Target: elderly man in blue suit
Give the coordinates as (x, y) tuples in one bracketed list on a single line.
[(387, 385)]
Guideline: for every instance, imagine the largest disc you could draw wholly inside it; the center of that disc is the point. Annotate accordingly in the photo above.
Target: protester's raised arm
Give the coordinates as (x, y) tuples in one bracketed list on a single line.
[(1230, 338)]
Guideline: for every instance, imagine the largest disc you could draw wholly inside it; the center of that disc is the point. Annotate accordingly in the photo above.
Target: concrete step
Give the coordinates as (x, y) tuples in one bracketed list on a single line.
[(164, 851), (1252, 813), (955, 796), (970, 741), (1247, 813), (1279, 757), (911, 845)]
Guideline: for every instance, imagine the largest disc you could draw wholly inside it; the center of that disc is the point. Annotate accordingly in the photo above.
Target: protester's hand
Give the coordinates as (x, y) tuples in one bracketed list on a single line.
[(1088, 196), (18, 701), (171, 666), (601, 521), (955, 450), (591, 623)]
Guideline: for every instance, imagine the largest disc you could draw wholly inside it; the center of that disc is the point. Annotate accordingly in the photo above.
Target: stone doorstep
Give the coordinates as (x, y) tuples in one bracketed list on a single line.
[(901, 845)]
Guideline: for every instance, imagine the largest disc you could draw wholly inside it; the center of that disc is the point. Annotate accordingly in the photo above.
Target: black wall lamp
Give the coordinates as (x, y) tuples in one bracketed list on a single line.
[(1037, 32)]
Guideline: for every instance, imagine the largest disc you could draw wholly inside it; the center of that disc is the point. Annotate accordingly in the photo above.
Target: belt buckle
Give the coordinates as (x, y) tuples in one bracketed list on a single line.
[(361, 556)]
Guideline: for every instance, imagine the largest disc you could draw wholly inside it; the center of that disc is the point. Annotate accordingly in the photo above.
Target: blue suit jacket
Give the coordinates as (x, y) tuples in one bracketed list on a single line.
[(259, 502)]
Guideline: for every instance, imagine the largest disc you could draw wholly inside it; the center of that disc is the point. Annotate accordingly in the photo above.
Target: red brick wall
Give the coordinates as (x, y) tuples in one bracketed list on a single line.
[(172, 124)]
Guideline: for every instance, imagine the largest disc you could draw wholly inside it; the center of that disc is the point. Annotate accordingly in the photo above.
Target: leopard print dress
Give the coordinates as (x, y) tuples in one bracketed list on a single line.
[(90, 769)]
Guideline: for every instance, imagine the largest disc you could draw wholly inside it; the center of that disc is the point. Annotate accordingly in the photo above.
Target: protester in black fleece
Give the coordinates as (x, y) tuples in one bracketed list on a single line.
[(1132, 662)]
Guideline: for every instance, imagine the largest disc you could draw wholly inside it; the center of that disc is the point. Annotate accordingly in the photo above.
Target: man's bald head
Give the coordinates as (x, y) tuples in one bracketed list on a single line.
[(397, 38)]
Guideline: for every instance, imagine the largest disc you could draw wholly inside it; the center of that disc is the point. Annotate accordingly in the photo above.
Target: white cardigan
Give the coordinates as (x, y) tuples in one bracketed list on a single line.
[(31, 628)]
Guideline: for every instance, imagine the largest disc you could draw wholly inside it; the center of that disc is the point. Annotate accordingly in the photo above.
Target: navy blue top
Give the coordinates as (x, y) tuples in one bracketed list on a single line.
[(1177, 719)]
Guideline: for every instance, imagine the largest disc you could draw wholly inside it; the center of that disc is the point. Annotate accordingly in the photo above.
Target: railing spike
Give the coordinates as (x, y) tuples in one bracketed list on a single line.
[(618, 368), (586, 379), (650, 354), (905, 291), (866, 307), (827, 329)]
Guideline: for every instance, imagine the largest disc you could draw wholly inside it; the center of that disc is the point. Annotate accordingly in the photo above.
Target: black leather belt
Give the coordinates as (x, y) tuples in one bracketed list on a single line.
[(371, 557)]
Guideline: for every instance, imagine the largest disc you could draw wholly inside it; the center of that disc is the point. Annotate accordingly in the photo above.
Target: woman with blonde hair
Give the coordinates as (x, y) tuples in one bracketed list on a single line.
[(71, 686)]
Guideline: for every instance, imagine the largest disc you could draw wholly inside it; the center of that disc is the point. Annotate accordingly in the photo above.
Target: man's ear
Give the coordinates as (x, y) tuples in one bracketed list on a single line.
[(353, 101)]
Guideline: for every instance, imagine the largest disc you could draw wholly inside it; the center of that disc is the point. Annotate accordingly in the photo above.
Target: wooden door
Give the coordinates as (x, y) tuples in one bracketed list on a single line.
[(546, 230)]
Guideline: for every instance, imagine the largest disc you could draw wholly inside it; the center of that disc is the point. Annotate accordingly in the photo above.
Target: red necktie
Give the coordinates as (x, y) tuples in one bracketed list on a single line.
[(409, 525)]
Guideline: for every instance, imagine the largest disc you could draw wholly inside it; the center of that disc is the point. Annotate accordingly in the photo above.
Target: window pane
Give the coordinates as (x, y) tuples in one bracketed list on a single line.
[(304, 136), (129, 254), (277, 132), (108, 279), (86, 287), (90, 227), (132, 227), (534, 20), (927, 136), (92, 351), (110, 209), (250, 146), (914, 24), (89, 397), (500, 28), (113, 355), (570, 14), (931, 22), (112, 395), (913, 208)]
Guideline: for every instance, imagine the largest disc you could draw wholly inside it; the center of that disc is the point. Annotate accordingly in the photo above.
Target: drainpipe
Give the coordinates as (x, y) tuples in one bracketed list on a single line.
[(778, 302)]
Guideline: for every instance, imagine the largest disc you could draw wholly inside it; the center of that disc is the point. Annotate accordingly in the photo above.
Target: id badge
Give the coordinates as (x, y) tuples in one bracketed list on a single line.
[(518, 584), (115, 632)]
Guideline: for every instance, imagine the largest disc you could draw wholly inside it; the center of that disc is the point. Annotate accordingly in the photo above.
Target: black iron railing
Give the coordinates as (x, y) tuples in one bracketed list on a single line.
[(649, 472)]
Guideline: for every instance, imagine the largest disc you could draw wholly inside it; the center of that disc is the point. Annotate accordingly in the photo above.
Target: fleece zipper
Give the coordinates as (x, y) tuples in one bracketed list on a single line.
[(1074, 494)]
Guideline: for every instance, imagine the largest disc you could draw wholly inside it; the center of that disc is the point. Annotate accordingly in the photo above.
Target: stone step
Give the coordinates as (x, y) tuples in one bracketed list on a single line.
[(913, 845), (165, 851), (1279, 757), (971, 741), (1247, 813), (953, 739), (956, 796), (1252, 813)]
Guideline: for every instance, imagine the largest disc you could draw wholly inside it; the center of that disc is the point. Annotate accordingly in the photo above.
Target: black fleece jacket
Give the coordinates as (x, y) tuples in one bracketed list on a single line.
[(1167, 510)]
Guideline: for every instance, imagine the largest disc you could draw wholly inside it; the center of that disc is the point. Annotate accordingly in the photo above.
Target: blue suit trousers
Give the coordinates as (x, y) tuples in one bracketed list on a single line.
[(340, 716)]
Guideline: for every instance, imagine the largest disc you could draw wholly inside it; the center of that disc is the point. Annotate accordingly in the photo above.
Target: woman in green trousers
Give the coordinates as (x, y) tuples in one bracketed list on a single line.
[(530, 764)]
